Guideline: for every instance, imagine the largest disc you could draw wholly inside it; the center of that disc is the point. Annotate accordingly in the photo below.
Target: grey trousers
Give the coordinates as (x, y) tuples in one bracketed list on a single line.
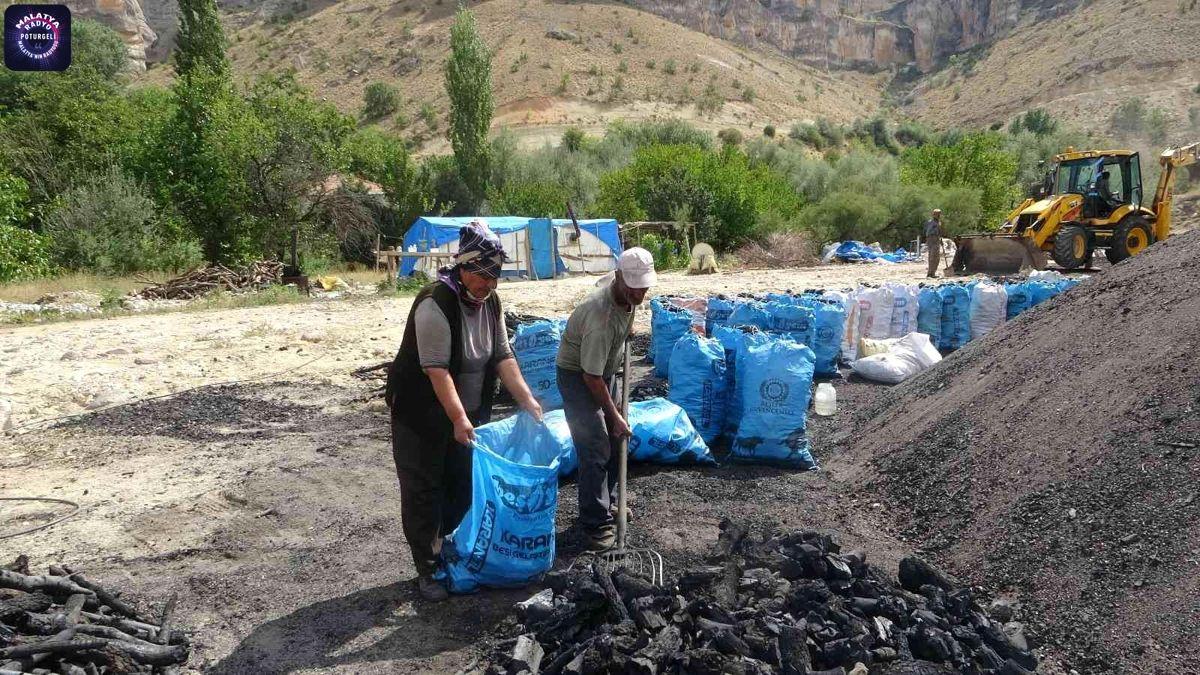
[(934, 244), (597, 451)]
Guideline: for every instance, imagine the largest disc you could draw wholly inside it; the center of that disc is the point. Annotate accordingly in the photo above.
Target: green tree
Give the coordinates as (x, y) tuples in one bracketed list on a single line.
[(384, 159), (978, 160), (200, 44), (469, 85), (205, 149), (531, 199), (23, 254)]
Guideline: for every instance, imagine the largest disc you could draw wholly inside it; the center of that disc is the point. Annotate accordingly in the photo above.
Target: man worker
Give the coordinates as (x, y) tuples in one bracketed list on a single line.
[(588, 357), (933, 242)]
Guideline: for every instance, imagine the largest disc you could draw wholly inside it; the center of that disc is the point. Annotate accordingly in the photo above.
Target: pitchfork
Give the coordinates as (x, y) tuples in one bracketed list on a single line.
[(645, 562)]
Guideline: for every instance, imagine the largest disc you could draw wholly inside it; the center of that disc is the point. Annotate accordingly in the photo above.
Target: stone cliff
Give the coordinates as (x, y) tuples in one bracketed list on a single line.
[(125, 17), (869, 34)]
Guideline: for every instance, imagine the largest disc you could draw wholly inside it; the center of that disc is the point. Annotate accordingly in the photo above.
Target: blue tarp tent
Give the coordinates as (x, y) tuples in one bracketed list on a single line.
[(539, 248)]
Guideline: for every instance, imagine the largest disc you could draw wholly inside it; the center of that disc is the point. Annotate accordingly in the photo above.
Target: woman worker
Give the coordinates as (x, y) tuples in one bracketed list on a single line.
[(440, 387)]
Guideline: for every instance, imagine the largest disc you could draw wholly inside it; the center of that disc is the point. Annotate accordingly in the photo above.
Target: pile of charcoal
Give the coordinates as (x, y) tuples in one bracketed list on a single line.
[(63, 622), (789, 603)]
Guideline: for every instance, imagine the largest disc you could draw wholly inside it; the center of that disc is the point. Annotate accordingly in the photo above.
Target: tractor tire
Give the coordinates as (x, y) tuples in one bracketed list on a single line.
[(1071, 247), (1130, 238)]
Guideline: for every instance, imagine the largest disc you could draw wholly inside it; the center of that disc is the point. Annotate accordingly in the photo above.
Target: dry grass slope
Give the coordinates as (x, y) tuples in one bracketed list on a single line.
[(621, 64), (1079, 66)]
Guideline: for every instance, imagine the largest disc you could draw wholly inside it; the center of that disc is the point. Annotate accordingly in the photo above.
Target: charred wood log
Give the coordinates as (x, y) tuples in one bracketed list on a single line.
[(106, 597), (50, 585)]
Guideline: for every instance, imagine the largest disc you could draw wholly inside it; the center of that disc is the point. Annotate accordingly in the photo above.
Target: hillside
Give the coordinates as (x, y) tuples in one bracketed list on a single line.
[(1078, 66), (607, 62)]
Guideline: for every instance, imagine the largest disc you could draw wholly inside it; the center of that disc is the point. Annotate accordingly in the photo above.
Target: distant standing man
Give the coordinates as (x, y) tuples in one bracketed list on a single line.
[(933, 242), (588, 357), (440, 387)]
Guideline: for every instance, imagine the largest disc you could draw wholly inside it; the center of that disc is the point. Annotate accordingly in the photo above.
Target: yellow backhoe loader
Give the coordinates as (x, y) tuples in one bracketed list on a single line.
[(1093, 200)]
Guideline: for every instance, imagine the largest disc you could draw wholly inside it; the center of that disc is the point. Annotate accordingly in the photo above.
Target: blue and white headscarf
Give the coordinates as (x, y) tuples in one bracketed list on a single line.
[(479, 252)]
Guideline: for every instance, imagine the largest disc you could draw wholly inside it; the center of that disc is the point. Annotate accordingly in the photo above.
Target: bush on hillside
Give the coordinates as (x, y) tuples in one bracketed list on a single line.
[(730, 137), (1037, 122), (912, 134), (380, 100), (808, 135), (1129, 117), (539, 200), (1158, 121)]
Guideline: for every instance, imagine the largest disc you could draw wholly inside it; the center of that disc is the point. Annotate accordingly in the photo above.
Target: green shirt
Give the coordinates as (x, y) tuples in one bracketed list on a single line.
[(595, 335)]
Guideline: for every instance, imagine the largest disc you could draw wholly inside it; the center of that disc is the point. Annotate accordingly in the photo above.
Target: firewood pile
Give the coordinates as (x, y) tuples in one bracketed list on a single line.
[(789, 602), (63, 622), (201, 282)]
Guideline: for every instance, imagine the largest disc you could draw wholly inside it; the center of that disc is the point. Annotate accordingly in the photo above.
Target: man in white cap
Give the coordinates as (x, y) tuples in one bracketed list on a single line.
[(588, 357)]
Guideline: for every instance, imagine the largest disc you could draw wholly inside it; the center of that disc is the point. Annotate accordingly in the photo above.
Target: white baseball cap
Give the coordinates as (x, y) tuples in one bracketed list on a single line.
[(637, 268)]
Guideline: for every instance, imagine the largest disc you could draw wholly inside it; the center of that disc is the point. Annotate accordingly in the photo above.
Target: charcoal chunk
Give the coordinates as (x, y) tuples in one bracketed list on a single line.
[(916, 572)]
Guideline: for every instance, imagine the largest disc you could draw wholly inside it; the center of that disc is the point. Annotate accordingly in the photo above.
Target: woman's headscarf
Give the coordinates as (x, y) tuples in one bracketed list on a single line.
[(479, 252)]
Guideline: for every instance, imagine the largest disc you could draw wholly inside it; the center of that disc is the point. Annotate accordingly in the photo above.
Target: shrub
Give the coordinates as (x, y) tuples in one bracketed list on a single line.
[(1129, 117), (1157, 123), (710, 101), (532, 199), (769, 131), (669, 132), (724, 192), (14, 200), (429, 115), (730, 137), (669, 67), (573, 139), (748, 95), (650, 65), (108, 224), (913, 134), (623, 66), (846, 215), (380, 99), (808, 135), (668, 254), (833, 134), (23, 254), (1194, 118), (1036, 121)]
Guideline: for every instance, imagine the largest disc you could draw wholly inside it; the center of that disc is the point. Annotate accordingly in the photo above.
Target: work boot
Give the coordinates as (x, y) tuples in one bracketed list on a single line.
[(430, 589), (602, 538)]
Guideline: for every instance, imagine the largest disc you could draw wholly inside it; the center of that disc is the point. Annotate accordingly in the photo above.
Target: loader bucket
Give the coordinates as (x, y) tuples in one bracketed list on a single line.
[(996, 254)]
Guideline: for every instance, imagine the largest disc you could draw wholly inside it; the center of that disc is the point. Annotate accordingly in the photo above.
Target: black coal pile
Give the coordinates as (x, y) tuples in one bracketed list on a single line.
[(785, 602), (63, 622)]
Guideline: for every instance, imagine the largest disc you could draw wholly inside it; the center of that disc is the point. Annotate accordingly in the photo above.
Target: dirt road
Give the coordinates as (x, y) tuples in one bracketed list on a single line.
[(66, 368), (271, 507)]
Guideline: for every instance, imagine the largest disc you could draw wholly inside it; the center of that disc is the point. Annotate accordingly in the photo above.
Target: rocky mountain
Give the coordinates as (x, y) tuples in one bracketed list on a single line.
[(127, 18), (870, 34)]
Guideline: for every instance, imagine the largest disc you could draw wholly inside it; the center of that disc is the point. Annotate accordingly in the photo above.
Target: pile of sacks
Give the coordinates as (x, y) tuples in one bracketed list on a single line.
[(744, 368)]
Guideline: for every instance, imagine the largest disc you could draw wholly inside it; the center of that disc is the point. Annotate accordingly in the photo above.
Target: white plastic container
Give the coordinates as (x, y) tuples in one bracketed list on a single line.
[(825, 400)]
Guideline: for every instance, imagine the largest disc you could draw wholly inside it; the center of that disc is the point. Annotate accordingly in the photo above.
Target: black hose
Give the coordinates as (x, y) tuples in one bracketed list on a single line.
[(56, 521)]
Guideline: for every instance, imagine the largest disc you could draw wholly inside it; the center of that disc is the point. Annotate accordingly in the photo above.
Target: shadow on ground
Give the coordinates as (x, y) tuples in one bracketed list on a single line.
[(373, 625)]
